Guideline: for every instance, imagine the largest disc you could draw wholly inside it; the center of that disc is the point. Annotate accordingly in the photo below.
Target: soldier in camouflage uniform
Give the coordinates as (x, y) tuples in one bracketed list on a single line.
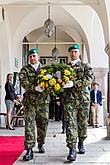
[(76, 103), (36, 106)]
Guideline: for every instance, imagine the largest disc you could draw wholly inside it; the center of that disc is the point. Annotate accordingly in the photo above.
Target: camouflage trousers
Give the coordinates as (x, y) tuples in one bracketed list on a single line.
[(76, 122), (36, 116)]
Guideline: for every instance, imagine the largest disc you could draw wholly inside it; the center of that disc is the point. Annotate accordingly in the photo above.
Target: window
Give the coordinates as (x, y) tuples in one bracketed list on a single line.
[(48, 60)]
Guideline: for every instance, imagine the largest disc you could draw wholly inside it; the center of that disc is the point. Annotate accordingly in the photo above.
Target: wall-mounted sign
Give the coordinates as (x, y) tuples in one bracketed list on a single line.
[(16, 62)]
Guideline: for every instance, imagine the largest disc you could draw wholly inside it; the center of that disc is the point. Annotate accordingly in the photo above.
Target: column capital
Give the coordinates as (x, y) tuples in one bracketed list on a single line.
[(107, 49)]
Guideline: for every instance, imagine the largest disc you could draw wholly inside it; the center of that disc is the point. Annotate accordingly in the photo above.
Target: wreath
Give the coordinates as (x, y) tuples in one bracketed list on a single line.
[(55, 78)]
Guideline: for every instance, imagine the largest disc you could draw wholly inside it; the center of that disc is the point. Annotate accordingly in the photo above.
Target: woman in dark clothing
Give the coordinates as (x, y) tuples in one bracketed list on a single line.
[(9, 99)]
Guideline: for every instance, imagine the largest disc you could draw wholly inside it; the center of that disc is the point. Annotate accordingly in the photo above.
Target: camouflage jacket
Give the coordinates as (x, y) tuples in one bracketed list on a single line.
[(84, 77), (27, 77)]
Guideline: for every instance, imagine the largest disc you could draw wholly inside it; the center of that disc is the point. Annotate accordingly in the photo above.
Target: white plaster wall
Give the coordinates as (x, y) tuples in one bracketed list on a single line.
[(6, 57), (46, 50), (5, 61), (99, 57), (88, 19)]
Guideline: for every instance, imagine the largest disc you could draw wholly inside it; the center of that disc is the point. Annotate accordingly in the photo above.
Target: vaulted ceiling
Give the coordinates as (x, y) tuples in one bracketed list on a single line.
[(63, 28)]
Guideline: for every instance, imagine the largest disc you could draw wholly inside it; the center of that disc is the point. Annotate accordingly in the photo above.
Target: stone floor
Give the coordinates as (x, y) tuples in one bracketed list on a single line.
[(96, 144)]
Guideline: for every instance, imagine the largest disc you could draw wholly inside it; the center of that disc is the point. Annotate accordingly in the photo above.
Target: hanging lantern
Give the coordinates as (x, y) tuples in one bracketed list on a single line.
[(55, 51), (49, 26)]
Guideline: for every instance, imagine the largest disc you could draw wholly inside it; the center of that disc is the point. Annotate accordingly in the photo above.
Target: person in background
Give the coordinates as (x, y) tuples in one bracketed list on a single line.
[(9, 99), (51, 107), (58, 112), (19, 105), (36, 107), (63, 118), (60, 107), (18, 110), (96, 102), (76, 104)]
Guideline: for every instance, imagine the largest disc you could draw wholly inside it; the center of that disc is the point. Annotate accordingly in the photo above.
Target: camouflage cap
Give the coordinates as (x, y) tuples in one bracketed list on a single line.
[(74, 46), (33, 51)]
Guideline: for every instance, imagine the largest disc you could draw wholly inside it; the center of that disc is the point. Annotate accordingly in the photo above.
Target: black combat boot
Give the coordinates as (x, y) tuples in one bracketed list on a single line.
[(72, 154), (29, 155), (81, 147), (41, 148)]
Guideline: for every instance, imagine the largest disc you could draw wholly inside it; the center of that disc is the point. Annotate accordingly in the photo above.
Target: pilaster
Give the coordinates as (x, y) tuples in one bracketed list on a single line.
[(107, 50)]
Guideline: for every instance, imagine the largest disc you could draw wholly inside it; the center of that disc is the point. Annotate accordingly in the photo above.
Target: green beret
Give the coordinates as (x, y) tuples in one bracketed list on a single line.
[(32, 51), (74, 46)]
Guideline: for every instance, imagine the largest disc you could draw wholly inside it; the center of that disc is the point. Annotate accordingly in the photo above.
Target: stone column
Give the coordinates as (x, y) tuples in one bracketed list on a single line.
[(107, 50)]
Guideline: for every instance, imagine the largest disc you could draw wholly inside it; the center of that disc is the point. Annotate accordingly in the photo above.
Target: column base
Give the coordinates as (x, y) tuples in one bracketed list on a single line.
[(108, 126)]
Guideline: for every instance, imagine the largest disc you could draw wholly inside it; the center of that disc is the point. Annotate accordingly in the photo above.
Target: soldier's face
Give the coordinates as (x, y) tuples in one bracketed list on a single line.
[(33, 58), (74, 54)]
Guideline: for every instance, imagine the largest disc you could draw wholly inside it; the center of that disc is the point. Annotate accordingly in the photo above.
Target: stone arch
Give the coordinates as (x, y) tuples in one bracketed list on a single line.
[(21, 31)]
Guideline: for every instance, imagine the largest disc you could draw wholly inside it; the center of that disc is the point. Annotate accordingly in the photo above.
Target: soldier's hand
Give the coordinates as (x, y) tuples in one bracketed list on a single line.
[(69, 84)]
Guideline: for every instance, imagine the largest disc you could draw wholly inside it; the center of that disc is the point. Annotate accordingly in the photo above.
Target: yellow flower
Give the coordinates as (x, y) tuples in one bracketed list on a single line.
[(43, 71), (67, 72), (67, 79), (42, 84), (45, 78), (52, 81), (57, 87)]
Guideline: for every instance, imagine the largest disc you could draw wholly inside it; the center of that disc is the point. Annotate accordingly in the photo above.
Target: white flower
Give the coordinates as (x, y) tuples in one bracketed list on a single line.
[(49, 76), (58, 74)]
